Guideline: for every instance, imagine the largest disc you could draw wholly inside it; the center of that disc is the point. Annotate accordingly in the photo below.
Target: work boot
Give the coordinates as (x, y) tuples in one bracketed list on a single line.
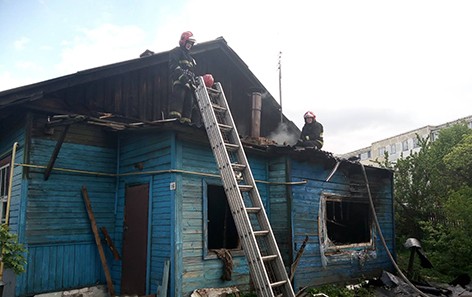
[(185, 120), (174, 115)]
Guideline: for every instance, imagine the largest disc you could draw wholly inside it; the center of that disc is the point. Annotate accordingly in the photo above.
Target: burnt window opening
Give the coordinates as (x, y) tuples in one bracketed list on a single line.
[(222, 232), (348, 222)]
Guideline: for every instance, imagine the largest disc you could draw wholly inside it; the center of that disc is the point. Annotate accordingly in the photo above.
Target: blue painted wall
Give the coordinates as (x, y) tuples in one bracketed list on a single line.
[(197, 268), (14, 131), (279, 206), (348, 263), (61, 250), (155, 152), (62, 253)]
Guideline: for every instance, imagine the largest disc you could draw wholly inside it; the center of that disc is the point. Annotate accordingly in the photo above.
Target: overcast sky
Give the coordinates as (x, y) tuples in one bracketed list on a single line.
[(369, 70)]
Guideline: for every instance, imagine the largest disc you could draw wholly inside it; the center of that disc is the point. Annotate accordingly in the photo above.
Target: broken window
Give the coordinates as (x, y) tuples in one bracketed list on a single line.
[(221, 230), (347, 221), (4, 183)]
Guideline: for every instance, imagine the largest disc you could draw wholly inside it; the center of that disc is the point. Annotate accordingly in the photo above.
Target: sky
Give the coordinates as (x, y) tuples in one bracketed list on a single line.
[(369, 70)]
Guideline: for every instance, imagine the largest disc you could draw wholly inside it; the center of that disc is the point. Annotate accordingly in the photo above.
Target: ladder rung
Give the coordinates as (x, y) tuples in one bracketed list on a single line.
[(225, 128), (261, 233), (245, 188), (278, 284), (253, 209), (218, 108), (214, 91), (231, 146), (238, 166), (269, 258), (253, 225)]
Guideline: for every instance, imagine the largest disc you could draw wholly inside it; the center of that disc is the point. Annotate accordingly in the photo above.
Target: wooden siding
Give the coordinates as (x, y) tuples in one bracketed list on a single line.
[(347, 181), (279, 205), (199, 269), (13, 130), (62, 253), (139, 94), (153, 152)]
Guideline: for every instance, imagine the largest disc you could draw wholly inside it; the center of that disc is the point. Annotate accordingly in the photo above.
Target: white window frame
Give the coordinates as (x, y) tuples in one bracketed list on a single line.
[(4, 180)]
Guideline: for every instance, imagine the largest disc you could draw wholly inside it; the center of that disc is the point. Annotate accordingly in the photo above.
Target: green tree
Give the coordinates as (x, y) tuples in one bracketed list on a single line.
[(433, 198), (459, 160)]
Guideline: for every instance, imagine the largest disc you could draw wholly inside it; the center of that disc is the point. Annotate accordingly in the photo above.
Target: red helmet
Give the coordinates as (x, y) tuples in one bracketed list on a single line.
[(208, 79), (186, 36), (309, 114)]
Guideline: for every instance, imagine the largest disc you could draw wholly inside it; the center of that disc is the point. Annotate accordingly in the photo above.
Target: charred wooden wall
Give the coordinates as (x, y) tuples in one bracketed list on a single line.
[(143, 93), (345, 262)]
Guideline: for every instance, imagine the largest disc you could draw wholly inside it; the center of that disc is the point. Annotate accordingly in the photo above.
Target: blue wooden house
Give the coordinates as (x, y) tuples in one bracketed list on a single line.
[(155, 190)]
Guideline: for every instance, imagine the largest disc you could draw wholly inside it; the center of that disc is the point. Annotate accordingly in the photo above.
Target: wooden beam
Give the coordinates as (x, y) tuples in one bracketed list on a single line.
[(293, 268), (93, 224), (56, 152), (110, 243)]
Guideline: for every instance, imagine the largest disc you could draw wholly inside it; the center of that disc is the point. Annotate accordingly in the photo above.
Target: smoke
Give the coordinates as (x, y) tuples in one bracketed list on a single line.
[(281, 135)]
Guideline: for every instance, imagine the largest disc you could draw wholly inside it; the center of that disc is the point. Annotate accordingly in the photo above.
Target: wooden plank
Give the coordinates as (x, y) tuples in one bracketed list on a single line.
[(162, 289), (110, 243), (56, 152), (88, 205), (293, 268)]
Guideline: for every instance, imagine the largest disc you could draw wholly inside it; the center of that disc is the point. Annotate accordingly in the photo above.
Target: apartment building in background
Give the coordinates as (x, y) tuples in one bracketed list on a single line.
[(401, 145)]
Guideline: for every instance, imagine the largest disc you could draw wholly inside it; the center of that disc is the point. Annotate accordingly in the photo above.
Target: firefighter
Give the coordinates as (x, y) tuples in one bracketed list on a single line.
[(312, 132), (181, 67)]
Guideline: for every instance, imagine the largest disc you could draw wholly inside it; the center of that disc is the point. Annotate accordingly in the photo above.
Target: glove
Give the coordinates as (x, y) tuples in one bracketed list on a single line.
[(189, 73), (184, 78)]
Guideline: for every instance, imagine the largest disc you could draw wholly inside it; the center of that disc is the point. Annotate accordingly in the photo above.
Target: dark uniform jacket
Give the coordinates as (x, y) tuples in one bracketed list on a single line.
[(181, 66), (313, 132)]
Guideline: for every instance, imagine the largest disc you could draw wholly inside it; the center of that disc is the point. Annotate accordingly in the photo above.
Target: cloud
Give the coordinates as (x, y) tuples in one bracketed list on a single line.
[(20, 44), (105, 44)]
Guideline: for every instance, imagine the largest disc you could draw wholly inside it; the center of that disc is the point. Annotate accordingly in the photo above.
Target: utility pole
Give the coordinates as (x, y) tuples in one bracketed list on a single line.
[(280, 86)]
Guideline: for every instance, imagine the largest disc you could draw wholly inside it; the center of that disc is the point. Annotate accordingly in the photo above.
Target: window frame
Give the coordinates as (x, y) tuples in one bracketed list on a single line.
[(405, 145), (393, 149), (382, 151), (328, 246), (5, 168), (208, 253)]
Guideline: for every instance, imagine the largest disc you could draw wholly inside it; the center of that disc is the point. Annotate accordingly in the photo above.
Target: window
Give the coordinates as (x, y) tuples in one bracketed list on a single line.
[(381, 151), (347, 221), (416, 143), (405, 145), (393, 149), (365, 155), (4, 182), (221, 230)]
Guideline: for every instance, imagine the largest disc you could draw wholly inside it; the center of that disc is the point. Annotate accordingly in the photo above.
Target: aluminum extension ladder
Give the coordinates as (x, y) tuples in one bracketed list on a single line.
[(263, 256)]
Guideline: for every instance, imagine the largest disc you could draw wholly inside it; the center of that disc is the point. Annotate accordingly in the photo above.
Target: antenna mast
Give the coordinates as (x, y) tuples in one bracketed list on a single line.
[(280, 86)]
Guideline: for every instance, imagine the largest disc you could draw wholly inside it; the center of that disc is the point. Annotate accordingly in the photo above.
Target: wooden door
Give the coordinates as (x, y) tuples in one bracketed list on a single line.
[(135, 233)]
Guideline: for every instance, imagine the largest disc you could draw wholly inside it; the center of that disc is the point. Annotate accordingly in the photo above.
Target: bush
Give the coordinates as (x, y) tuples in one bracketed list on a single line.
[(12, 251)]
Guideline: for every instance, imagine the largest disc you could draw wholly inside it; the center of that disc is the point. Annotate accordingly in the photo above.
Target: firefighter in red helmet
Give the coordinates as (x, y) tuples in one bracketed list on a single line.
[(182, 74), (312, 132)]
